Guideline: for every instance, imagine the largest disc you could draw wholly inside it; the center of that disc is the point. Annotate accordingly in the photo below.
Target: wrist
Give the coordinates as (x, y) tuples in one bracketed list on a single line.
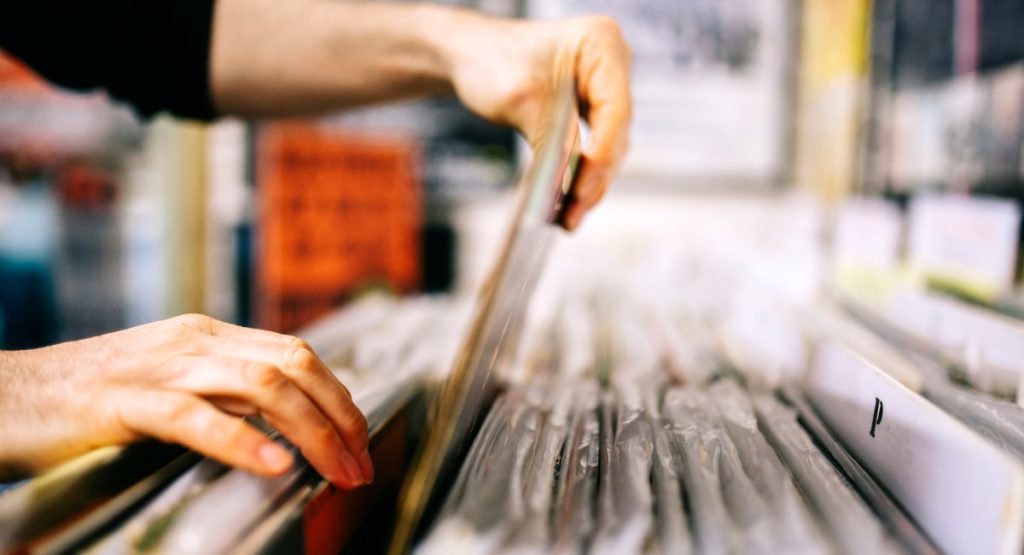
[(439, 31), (41, 412), (457, 37), (13, 408), (31, 384), (433, 23)]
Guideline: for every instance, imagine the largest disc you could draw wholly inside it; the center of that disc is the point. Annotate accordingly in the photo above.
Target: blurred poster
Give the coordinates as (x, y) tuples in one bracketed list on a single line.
[(965, 133), (709, 81), (339, 213), (44, 123), (917, 151), (1004, 123)]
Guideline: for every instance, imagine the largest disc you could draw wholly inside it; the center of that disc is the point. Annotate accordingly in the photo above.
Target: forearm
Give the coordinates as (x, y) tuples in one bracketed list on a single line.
[(22, 406), (8, 389), (293, 57)]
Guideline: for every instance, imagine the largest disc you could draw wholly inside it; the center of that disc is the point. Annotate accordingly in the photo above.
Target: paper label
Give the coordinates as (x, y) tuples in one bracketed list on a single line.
[(868, 234), (966, 240)]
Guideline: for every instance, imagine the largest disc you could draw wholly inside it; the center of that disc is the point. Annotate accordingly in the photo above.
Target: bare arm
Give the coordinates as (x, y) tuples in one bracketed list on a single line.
[(294, 57), (290, 57)]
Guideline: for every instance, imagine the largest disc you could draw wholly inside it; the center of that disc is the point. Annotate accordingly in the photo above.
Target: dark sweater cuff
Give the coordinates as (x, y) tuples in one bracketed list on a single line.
[(167, 63)]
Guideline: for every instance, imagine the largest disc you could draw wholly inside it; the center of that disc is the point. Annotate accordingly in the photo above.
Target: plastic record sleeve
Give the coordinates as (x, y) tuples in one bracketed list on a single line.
[(542, 194)]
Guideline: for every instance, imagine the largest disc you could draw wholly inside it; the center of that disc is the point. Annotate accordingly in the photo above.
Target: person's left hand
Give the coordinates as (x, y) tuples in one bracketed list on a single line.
[(189, 380), (509, 70)]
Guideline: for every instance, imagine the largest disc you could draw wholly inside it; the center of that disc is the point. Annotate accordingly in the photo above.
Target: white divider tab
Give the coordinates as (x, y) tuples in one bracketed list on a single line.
[(965, 493), (990, 344)]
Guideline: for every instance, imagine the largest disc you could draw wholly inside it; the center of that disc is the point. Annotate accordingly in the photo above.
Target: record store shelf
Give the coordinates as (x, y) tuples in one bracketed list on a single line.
[(622, 426)]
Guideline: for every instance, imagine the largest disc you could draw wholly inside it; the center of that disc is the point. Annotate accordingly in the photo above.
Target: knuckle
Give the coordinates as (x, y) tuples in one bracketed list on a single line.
[(173, 410), (193, 321), (300, 343), (346, 392), (301, 359), (605, 25), (264, 376), (323, 433), (357, 423), (236, 433)]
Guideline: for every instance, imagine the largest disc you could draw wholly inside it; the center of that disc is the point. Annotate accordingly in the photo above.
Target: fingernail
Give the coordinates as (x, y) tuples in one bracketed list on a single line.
[(275, 458), (353, 476), (366, 464)]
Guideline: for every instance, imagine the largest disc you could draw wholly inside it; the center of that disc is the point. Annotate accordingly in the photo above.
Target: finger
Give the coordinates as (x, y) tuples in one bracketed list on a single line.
[(609, 120), (603, 87), (176, 417), (582, 199), (234, 406), (594, 176), (313, 377), (217, 328), (281, 403), (574, 216), (296, 358)]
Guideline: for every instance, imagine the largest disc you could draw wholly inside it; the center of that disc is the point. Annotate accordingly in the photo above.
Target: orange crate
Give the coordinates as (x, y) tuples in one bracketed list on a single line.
[(337, 212)]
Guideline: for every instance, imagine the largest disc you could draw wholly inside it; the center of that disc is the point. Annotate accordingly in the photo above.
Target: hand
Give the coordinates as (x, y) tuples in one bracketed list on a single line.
[(187, 380), (508, 71), (271, 58)]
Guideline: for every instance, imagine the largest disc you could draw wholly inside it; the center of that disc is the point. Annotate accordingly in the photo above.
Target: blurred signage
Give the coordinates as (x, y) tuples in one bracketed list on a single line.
[(965, 132), (868, 234), (338, 212)]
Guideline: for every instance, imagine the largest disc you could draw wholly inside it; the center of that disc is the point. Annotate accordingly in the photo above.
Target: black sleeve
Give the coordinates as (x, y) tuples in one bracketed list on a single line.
[(154, 54)]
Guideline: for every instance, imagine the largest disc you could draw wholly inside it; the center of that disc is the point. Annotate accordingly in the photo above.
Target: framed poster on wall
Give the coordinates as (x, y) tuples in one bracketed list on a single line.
[(711, 86)]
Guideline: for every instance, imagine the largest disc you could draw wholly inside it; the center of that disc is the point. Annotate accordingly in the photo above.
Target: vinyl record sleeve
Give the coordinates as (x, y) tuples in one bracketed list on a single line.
[(504, 296)]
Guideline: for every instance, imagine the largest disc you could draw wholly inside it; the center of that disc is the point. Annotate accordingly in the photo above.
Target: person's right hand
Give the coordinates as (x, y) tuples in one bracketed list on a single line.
[(186, 380), (509, 71), (271, 58)]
